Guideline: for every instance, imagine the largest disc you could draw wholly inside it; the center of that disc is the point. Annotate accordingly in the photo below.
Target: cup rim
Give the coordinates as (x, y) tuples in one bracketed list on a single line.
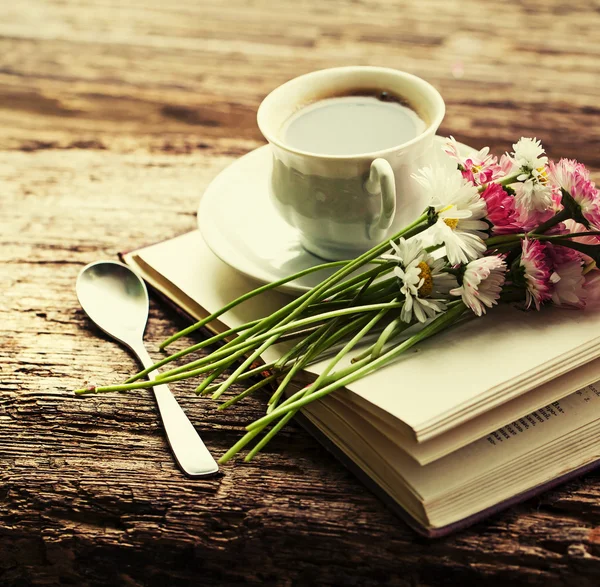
[(424, 85)]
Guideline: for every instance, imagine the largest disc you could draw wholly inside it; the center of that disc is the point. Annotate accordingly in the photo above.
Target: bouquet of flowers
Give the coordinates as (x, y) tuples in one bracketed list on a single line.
[(519, 229)]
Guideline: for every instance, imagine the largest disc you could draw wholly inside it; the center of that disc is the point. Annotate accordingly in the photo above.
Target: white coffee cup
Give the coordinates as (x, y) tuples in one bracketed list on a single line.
[(345, 204)]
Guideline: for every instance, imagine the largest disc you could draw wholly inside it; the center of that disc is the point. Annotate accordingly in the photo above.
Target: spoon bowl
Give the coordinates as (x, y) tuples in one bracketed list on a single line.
[(115, 298)]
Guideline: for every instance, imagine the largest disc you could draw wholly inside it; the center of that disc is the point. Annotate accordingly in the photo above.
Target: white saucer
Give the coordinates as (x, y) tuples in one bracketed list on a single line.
[(241, 226)]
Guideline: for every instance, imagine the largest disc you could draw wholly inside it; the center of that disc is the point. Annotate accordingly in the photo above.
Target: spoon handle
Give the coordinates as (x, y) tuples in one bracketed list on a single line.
[(189, 451)]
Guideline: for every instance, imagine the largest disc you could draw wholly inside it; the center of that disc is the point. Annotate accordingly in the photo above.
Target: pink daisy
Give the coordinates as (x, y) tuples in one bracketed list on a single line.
[(565, 172), (573, 178), (536, 273), (507, 165), (482, 283), (584, 192), (479, 168), (556, 201), (500, 210), (575, 227)]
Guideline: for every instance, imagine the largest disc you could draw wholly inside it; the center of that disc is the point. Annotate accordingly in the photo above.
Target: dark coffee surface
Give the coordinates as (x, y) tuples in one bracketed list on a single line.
[(351, 125)]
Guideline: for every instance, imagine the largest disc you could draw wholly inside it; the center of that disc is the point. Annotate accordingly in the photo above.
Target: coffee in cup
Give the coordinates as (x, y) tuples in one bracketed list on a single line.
[(363, 122)]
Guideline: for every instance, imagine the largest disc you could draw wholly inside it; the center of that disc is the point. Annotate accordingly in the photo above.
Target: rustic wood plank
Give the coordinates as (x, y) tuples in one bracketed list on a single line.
[(113, 118)]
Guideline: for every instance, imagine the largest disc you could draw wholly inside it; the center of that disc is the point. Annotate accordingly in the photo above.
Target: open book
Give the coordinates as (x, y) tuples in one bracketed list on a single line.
[(444, 438)]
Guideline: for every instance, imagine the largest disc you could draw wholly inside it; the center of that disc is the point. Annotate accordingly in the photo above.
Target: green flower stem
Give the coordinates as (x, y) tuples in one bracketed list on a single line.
[(267, 438), (261, 326), (510, 179), (206, 359), (284, 315), (225, 356), (355, 282), (504, 238), (347, 348), (246, 297), (440, 323), (297, 366), (238, 446), (271, 337), (260, 384), (373, 296), (329, 379), (388, 331), (314, 351), (249, 361), (307, 342), (256, 372), (134, 386), (212, 361), (315, 385), (383, 296), (324, 288), (209, 379), (324, 341), (370, 352), (366, 354), (246, 345), (178, 377), (191, 349), (299, 348)]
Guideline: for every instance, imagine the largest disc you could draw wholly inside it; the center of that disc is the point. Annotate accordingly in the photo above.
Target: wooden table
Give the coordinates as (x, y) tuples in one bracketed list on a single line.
[(114, 115)]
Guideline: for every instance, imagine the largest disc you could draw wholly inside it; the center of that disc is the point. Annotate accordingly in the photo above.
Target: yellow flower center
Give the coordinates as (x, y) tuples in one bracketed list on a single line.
[(451, 222), (425, 274), (543, 175)]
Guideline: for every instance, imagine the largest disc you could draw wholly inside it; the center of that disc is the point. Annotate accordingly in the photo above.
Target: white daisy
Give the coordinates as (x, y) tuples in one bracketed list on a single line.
[(460, 212), (406, 252), (419, 276), (532, 195), (529, 154), (482, 283), (533, 191)]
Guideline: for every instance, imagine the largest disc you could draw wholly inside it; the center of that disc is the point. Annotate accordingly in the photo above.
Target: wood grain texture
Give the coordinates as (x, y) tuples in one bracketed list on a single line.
[(113, 118)]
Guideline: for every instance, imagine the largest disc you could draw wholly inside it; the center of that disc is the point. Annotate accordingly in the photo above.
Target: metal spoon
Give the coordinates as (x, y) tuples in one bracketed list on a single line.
[(116, 299)]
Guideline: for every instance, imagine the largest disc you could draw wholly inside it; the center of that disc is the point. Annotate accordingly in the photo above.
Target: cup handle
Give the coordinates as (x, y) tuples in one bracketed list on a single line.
[(381, 183)]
